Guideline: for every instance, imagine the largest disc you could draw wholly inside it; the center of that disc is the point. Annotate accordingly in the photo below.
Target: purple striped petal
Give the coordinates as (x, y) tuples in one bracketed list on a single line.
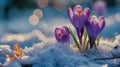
[(94, 26), (58, 31), (77, 10), (101, 21), (62, 34), (76, 16), (86, 13), (70, 14), (78, 22), (94, 20), (89, 28)]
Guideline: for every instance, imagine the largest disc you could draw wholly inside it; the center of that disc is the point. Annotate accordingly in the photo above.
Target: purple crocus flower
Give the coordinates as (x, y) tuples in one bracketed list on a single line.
[(78, 18), (94, 26), (99, 6), (62, 34)]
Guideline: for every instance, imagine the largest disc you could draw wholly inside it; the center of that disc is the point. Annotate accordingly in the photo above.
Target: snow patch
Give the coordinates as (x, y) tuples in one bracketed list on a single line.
[(50, 53)]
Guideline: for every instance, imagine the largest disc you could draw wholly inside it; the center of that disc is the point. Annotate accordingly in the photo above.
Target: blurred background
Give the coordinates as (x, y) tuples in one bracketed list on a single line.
[(34, 17), (24, 16)]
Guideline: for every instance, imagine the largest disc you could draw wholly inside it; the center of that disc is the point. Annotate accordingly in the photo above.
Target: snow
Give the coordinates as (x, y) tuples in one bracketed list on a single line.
[(43, 51), (50, 53), (12, 64)]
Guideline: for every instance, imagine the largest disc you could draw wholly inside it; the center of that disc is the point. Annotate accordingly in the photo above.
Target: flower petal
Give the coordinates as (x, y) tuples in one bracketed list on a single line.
[(101, 22), (93, 19), (57, 31), (90, 28), (96, 30), (77, 8), (70, 14), (76, 21), (65, 30), (86, 13), (62, 34)]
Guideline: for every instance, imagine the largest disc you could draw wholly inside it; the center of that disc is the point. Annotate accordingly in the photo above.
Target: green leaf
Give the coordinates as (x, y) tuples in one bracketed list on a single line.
[(74, 38), (87, 45), (98, 39), (85, 37)]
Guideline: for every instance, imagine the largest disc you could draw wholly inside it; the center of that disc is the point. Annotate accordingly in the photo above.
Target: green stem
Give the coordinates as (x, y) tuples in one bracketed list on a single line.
[(98, 39), (74, 38), (85, 38), (87, 44)]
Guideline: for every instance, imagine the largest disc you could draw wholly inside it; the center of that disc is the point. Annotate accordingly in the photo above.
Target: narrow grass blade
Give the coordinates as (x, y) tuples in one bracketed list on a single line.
[(74, 38), (98, 39), (85, 37), (87, 45)]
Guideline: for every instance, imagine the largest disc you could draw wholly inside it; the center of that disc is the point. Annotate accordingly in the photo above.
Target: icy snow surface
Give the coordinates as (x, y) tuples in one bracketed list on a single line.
[(48, 53)]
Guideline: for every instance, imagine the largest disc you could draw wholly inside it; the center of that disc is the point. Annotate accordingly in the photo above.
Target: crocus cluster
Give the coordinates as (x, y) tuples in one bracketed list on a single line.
[(81, 19)]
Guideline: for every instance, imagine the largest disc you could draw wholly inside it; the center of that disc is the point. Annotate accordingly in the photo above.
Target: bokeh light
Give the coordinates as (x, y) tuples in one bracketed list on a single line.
[(60, 4), (42, 3), (33, 19), (117, 17), (38, 13), (99, 7), (77, 1)]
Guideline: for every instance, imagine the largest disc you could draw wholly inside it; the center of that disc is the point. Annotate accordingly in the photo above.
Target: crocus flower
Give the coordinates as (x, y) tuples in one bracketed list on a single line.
[(94, 26), (62, 34), (78, 18), (99, 7)]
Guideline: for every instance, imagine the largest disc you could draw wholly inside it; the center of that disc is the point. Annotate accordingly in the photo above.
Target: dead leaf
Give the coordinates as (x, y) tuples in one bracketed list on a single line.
[(17, 53), (11, 58), (17, 50)]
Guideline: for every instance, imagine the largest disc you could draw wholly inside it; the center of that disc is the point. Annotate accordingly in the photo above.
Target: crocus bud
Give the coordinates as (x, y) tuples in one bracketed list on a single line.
[(62, 34)]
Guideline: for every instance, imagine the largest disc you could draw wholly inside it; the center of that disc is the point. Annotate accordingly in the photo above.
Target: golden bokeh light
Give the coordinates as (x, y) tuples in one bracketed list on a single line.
[(42, 3), (60, 4), (33, 19), (38, 13)]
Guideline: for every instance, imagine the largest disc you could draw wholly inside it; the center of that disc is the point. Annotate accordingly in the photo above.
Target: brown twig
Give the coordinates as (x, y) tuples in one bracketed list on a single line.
[(109, 58)]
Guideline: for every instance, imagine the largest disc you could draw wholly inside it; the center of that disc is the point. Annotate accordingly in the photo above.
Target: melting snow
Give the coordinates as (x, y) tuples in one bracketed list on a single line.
[(49, 53)]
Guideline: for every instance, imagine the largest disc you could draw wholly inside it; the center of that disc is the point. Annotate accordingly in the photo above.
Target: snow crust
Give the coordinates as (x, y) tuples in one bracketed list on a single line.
[(49, 53)]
